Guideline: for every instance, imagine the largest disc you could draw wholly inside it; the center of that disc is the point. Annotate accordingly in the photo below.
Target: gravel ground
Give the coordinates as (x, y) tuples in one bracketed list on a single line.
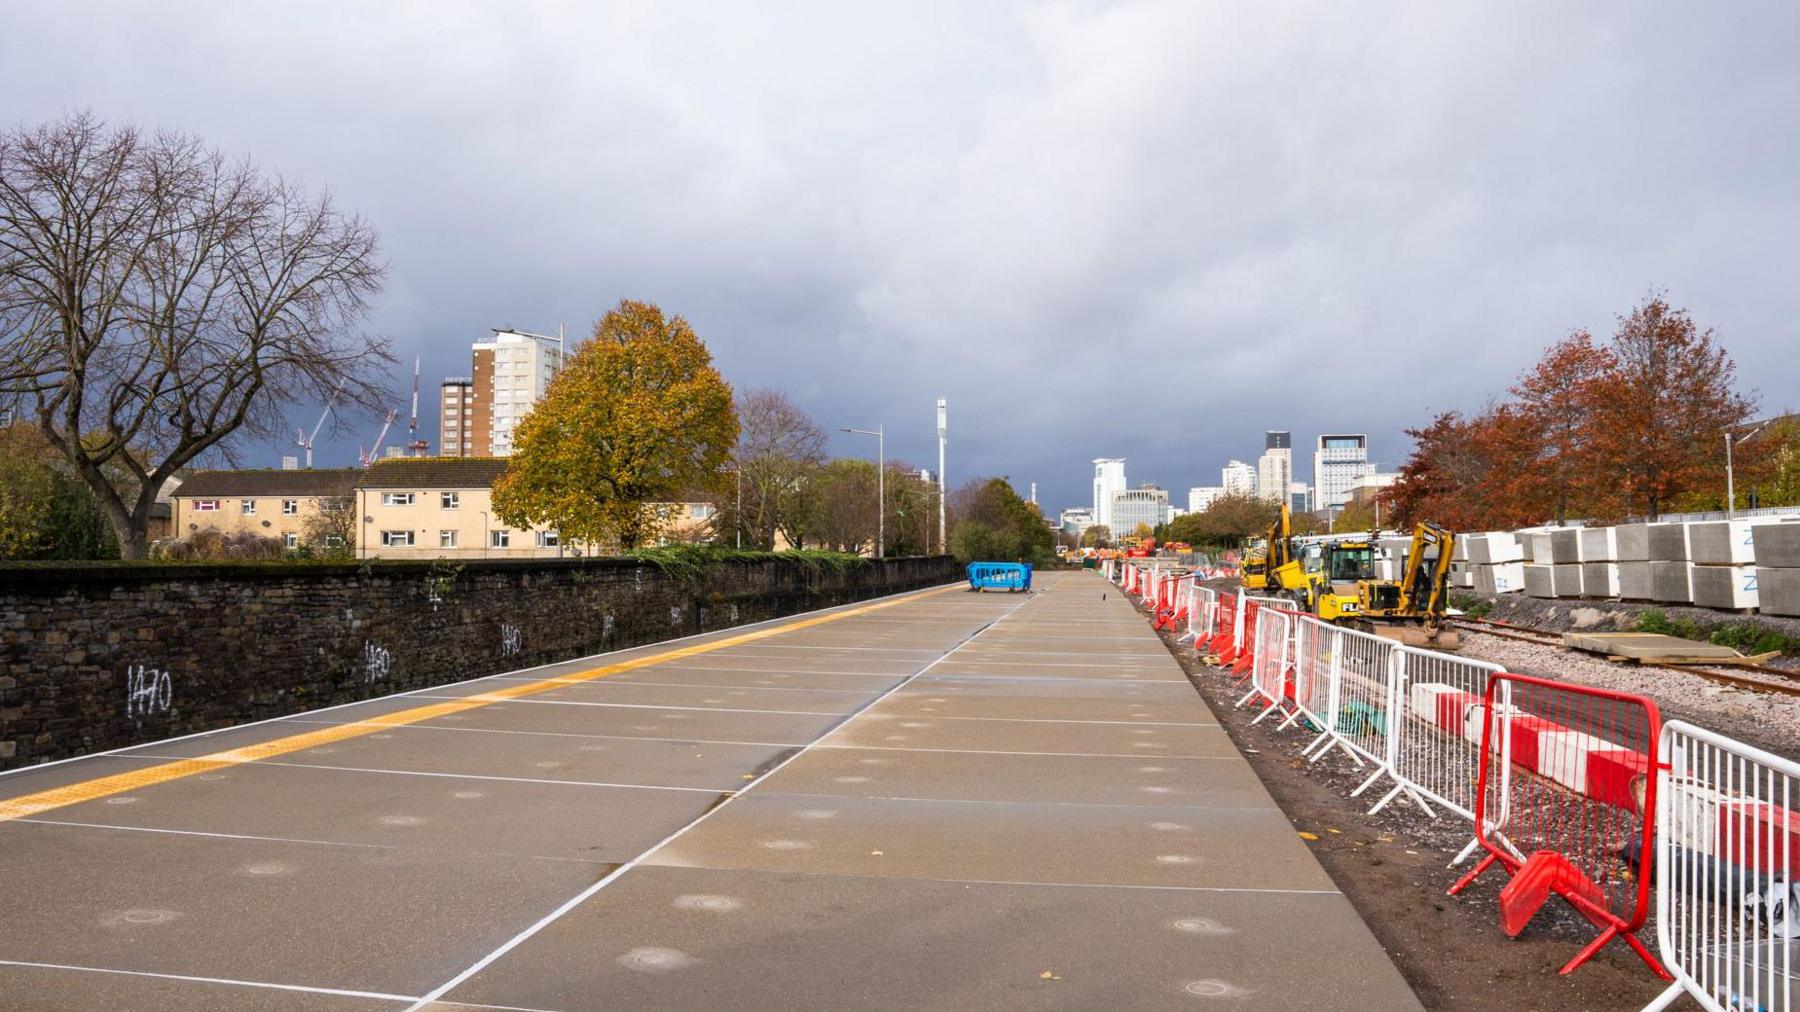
[(1565, 615), (1766, 720)]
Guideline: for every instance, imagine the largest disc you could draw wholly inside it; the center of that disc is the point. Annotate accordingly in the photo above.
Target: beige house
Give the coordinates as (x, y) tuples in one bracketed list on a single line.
[(441, 508), (399, 508), (271, 502)]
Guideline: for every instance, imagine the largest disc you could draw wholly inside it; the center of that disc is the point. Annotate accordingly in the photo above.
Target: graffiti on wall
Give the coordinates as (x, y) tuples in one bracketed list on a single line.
[(148, 691), (378, 662), (512, 641)]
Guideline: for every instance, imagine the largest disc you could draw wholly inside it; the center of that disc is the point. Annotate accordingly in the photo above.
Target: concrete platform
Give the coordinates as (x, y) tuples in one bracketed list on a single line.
[(937, 801)]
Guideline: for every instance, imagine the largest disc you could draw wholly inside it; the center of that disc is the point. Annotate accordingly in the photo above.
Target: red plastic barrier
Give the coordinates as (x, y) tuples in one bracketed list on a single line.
[(1578, 798)]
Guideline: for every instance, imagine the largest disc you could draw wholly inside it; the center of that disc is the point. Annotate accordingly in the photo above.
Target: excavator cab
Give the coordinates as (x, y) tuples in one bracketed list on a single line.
[(1343, 567), (1412, 608)]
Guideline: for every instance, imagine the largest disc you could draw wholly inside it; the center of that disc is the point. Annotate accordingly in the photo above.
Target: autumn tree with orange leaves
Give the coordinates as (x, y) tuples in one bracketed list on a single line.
[(1596, 431)]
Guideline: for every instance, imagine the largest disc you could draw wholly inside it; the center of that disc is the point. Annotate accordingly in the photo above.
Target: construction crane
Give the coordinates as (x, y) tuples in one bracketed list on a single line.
[(374, 453), (414, 445), (305, 439)]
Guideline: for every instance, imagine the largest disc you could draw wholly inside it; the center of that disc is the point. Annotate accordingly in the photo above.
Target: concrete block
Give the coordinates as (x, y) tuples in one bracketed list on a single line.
[(1725, 586), (1473, 546), (1496, 547), (1566, 579), (1504, 578), (1634, 582), (1393, 548), (1599, 579), (1460, 550), (1632, 542), (1776, 546), (1537, 547), (1565, 546), (1778, 591), (1462, 574), (1672, 582), (1540, 581), (1599, 544), (1668, 543), (1722, 543)]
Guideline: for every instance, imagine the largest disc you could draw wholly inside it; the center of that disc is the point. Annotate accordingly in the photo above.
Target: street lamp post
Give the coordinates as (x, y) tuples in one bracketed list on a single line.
[(880, 486), (943, 420), (1730, 483)]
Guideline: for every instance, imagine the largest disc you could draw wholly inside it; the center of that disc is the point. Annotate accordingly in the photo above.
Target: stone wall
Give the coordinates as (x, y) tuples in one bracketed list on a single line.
[(99, 657)]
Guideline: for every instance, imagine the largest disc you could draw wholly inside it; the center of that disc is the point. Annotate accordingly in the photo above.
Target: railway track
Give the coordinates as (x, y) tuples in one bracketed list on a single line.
[(1778, 680)]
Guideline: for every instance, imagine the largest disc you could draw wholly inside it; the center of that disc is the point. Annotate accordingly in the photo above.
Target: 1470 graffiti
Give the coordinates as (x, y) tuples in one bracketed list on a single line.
[(148, 691)]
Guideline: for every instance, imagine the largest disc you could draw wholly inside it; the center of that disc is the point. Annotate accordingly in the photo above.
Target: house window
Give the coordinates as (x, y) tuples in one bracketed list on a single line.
[(334, 541), (206, 505), (290, 507), (291, 540), (450, 500), (548, 539), (446, 539), (499, 539), (396, 498), (699, 511), (397, 539), (248, 506)]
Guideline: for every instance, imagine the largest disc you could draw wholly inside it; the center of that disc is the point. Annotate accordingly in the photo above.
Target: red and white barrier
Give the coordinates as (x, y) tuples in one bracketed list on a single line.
[(1727, 872), (1566, 834)]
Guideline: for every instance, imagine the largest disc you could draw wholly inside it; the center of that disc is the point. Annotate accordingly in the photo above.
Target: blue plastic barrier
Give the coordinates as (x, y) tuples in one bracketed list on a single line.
[(999, 576)]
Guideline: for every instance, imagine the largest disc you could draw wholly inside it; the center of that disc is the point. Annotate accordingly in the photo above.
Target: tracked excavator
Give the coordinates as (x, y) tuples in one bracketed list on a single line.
[(1411, 609)]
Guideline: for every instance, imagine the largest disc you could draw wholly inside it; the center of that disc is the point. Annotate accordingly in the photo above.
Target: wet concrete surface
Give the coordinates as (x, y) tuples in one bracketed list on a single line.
[(941, 801)]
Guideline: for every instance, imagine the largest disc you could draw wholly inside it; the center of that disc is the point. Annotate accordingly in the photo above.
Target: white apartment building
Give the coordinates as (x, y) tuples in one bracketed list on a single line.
[(1109, 479), (1133, 507), (1076, 520), (512, 371), (1300, 498), (1199, 498), (1237, 478), (1275, 468), (1338, 461)]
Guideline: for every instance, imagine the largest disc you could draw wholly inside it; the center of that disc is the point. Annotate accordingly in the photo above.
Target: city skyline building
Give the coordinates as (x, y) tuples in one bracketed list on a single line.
[(1109, 478), (1237, 478), (1339, 459), (1275, 468), (511, 371), (1134, 507), (456, 417), (1202, 496)]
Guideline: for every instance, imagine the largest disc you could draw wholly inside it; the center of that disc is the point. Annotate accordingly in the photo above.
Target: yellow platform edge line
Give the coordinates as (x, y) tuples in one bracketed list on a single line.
[(27, 805)]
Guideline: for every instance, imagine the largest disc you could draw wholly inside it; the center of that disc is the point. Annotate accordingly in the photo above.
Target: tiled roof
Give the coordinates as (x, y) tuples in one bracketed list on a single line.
[(433, 472), (268, 481)]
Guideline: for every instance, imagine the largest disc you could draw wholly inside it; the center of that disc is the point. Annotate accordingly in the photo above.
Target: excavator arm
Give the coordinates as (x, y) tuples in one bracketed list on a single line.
[(1425, 589)]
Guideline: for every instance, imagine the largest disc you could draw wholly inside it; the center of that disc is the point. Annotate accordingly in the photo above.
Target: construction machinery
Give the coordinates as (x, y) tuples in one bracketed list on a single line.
[(1275, 566), (1411, 609)]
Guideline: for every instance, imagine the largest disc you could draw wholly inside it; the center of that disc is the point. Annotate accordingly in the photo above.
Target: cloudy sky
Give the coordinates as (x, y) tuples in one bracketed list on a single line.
[(1141, 229)]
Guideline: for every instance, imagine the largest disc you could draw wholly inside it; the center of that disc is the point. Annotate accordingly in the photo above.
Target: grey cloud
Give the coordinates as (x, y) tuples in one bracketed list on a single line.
[(1149, 229)]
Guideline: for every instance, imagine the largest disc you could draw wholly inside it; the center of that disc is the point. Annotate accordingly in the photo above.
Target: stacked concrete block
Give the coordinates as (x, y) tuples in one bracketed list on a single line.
[(1777, 551), (1732, 587), (1565, 579), (1631, 543), (1723, 554), (1599, 544), (1540, 581), (1500, 578), (1565, 546), (1634, 581), (1496, 547), (1462, 574), (1600, 579), (1671, 579), (1537, 547), (1671, 582)]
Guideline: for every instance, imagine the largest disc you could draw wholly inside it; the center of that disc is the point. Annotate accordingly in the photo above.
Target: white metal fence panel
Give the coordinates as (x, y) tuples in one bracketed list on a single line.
[(1437, 746), (1359, 721), (1269, 665), (1316, 649), (1727, 858)]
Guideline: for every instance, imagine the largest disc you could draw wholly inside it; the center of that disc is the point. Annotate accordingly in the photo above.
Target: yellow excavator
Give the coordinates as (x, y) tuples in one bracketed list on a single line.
[(1274, 566), (1410, 609)]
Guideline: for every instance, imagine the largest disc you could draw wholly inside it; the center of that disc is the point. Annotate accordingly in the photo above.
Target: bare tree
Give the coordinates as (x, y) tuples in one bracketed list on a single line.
[(780, 449), (158, 301)]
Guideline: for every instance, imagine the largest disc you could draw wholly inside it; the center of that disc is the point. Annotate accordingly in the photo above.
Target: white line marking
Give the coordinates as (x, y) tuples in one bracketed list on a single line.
[(335, 991), (574, 901), (1040, 720), (1055, 664), (1139, 756), (1213, 809), (676, 666), (729, 631), (1023, 882), (473, 776), (509, 855)]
